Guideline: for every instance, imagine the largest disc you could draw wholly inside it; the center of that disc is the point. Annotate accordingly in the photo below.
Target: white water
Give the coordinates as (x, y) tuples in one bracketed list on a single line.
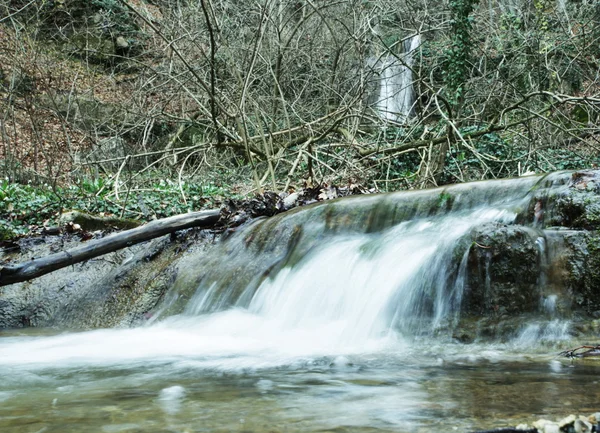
[(354, 294), (351, 293), (541, 332), (353, 337), (396, 92)]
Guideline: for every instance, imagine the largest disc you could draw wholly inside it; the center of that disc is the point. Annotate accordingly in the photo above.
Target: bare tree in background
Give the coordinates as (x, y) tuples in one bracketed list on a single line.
[(292, 89)]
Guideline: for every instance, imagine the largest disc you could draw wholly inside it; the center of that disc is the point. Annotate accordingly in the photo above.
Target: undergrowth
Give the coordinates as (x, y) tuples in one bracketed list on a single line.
[(26, 208)]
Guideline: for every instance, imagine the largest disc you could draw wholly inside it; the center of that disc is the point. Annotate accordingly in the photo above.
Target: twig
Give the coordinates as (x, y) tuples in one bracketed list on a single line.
[(9, 16), (592, 351), (117, 178)]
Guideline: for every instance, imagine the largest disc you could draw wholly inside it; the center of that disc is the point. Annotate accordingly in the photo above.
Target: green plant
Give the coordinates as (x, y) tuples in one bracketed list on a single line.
[(26, 207), (458, 55)]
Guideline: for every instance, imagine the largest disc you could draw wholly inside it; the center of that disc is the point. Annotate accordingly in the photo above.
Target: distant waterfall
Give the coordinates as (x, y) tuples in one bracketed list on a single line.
[(396, 95)]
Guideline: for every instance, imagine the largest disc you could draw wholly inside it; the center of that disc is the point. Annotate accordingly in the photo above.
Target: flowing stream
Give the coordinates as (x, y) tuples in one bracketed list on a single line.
[(348, 328)]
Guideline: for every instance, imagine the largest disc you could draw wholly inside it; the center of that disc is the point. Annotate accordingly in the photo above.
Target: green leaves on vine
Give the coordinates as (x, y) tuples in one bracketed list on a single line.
[(458, 55)]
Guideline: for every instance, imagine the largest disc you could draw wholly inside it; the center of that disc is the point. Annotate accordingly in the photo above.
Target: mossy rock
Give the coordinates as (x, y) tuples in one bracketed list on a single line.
[(575, 205), (93, 222), (587, 295)]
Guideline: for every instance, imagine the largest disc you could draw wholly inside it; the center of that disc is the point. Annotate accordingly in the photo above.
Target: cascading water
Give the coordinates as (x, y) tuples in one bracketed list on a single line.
[(338, 315), (396, 93), (349, 288)]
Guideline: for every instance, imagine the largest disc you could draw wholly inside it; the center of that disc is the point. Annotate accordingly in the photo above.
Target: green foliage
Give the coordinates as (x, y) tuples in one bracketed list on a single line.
[(564, 159), (494, 147), (25, 207), (502, 158), (458, 56), (445, 201), (17, 201)]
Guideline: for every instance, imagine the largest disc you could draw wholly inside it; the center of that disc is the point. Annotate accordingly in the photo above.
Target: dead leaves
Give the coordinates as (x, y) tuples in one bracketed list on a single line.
[(236, 212)]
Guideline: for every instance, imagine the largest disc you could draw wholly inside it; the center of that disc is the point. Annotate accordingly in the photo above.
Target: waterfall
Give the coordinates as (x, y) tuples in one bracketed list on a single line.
[(361, 287), (396, 91), (346, 315), (356, 270), (356, 275)]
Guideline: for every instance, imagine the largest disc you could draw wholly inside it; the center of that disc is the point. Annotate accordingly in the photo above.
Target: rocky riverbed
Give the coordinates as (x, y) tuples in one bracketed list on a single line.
[(569, 424)]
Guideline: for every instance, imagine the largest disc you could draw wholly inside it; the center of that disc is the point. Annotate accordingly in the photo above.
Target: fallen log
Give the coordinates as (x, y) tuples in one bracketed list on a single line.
[(38, 267)]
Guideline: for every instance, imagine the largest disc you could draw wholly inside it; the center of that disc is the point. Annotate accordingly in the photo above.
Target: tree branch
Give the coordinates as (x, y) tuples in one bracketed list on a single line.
[(38, 267)]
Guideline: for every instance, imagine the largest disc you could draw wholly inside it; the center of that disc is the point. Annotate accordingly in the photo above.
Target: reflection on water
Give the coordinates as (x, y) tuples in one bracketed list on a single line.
[(398, 386)]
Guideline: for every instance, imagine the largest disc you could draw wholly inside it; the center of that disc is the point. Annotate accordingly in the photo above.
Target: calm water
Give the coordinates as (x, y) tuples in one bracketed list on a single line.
[(58, 384)]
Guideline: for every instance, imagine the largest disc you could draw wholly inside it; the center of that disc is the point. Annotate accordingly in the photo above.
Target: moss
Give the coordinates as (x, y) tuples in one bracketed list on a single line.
[(92, 222), (6, 233), (593, 214), (445, 201)]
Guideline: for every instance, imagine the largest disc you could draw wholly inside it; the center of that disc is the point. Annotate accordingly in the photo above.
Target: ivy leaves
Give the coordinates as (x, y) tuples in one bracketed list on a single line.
[(458, 55)]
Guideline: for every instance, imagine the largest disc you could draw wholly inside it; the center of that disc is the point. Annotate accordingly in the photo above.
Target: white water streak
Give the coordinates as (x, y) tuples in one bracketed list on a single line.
[(396, 90)]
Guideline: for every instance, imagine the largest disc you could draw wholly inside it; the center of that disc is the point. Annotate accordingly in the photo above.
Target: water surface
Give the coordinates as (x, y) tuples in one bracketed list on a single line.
[(186, 379)]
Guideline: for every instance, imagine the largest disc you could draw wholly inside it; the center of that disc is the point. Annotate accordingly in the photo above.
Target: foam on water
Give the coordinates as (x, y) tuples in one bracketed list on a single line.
[(347, 328), (347, 296), (349, 292)]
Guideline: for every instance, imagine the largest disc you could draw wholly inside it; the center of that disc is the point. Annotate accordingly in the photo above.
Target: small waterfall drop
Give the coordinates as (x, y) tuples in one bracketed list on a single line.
[(543, 332), (396, 91), (394, 267), (352, 276), (361, 287), (348, 315), (554, 329)]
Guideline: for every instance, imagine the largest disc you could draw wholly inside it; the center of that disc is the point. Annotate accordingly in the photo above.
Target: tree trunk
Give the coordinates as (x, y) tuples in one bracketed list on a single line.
[(38, 267)]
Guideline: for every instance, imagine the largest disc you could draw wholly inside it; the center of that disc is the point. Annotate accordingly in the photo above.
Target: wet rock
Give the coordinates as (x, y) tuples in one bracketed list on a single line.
[(120, 288), (582, 426), (546, 426), (569, 424), (503, 271), (575, 424), (513, 269), (581, 263), (575, 204), (566, 422)]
